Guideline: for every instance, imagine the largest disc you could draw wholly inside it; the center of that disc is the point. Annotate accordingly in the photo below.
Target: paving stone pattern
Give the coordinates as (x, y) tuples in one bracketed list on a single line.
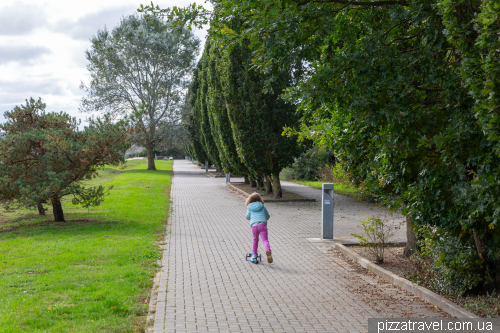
[(349, 212), (207, 286)]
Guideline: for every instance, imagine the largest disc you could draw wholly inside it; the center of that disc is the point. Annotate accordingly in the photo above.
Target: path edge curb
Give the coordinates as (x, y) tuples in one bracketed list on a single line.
[(431, 297), (237, 189), (210, 174), (240, 191)]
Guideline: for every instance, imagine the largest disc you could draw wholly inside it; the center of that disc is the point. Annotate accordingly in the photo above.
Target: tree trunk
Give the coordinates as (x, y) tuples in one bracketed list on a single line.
[(480, 245), (278, 193), (269, 186), (57, 209), (411, 238), (41, 210), (482, 251), (259, 183), (497, 274), (151, 157), (246, 179), (253, 183)]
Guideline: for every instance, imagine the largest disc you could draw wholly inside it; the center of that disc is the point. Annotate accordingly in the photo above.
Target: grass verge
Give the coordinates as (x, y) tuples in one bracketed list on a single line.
[(338, 188), (94, 272)]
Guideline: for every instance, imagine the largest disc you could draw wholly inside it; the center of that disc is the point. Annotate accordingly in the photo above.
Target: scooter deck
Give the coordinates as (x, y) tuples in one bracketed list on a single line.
[(256, 260)]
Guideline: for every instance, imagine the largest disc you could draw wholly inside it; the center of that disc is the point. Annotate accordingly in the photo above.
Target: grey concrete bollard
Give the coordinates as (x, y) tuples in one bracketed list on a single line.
[(206, 166), (228, 177), (327, 211)]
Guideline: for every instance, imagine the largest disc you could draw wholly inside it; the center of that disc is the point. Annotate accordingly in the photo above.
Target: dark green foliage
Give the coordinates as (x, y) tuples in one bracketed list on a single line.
[(218, 114), (90, 197), (199, 88), (309, 164), (449, 265), (258, 118), (234, 123), (195, 148)]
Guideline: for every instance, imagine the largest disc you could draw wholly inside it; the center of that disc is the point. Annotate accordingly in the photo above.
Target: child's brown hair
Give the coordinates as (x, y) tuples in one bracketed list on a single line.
[(254, 197)]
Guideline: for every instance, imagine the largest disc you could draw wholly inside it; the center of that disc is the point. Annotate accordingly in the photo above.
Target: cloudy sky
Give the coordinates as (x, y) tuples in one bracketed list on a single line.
[(43, 43)]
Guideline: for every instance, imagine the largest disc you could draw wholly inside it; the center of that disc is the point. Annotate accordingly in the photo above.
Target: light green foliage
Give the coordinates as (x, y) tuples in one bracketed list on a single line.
[(377, 233), (94, 272), (141, 67), (344, 189), (339, 174)]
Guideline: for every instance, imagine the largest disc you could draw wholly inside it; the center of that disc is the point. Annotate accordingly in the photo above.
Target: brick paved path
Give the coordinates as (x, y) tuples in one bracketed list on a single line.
[(207, 286)]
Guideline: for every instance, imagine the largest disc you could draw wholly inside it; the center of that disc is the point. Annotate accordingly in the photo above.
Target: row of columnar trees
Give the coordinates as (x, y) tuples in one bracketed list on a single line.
[(236, 125)]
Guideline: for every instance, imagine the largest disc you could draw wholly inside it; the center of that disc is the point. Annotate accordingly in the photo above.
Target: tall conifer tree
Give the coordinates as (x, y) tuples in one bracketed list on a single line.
[(201, 112), (219, 121), (258, 118)]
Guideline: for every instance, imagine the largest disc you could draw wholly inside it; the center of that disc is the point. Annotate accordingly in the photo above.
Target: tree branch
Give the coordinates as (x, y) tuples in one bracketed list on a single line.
[(361, 3)]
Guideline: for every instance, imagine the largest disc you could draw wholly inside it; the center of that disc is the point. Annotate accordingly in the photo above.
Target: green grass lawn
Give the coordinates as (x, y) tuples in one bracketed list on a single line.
[(92, 273), (338, 188)]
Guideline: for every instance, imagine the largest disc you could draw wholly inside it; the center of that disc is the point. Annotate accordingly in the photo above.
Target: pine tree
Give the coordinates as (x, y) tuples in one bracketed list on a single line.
[(45, 156)]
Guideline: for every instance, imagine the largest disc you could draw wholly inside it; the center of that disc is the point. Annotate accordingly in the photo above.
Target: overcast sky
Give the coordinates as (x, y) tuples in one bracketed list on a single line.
[(43, 43)]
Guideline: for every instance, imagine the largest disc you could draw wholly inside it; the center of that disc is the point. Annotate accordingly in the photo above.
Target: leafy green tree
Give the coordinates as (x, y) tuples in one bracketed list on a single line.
[(45, 156), (141, 63)]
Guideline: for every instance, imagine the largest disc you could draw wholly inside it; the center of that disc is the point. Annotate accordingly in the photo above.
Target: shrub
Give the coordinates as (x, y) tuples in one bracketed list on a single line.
[(334, 174), (377, 234), (308, 166), (288, 174), (449, 265)]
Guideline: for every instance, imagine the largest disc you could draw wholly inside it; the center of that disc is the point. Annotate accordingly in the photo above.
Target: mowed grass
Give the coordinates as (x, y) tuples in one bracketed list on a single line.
[(338, 188), (92, 273)]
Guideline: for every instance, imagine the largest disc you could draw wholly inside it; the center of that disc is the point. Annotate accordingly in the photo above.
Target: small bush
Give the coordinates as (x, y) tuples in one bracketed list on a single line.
[(377, 234), (308, 165), (448, 265), (288, 174), (334, 174)]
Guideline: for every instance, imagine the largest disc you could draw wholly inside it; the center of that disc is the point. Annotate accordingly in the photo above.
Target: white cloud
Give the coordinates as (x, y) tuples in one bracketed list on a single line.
[(21, 19), (43, 43), (87, 26), (23, 54)]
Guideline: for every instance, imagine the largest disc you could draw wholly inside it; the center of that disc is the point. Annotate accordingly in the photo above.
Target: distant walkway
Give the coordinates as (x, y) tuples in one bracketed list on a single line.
[(207, 286)]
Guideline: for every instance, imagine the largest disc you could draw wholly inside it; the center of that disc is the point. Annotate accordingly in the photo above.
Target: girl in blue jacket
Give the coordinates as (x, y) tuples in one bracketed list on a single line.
[(258, 216)]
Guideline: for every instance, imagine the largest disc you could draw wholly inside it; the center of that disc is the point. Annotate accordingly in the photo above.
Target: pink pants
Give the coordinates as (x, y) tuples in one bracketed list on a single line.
[(260, 229)]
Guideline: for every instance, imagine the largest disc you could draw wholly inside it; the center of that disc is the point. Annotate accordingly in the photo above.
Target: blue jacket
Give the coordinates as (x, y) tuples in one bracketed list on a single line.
[(257, 213)]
